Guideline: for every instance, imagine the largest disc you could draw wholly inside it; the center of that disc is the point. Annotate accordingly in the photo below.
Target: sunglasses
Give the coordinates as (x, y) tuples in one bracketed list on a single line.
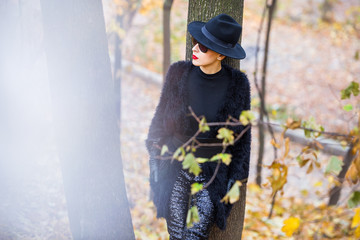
[(201, 47)]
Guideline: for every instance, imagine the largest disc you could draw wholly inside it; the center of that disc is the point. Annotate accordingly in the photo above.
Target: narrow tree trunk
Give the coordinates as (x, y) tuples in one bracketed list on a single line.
[(335, 192), (166, 36), (204, 10), (85, 119), (263, 95)]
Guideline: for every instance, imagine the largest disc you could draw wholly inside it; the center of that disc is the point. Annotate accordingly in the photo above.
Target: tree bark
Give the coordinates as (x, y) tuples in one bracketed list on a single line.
[(85, 119), (335, 192), (204, 10), (166, 36), (259, 164), (235, 221)]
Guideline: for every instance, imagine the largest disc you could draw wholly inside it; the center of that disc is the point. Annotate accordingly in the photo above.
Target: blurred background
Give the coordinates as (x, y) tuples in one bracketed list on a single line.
[(313, 55)]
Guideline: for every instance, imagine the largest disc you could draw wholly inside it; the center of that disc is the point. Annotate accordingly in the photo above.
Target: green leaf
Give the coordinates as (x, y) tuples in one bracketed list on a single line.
[(226, 134), (352, 88), (192, 217), (203, 127), (233, 195), (179, 154), (224, 157), (164, 150), (334, 165), (196, 187), (202, 160), (311, 124), (191, 164), (247, 117), (348, 107), (354, 199)]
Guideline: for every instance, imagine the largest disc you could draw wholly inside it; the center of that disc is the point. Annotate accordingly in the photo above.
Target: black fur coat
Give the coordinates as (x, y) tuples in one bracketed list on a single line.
[(171, 116)]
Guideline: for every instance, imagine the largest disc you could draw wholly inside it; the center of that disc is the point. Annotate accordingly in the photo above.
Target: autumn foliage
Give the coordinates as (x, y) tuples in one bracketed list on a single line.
[(283, 207)]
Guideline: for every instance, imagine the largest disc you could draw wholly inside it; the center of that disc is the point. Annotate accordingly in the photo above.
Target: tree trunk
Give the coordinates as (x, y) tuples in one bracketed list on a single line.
[(85, 119), (335, 192), (259, 164), (166, 36), (204, 10)]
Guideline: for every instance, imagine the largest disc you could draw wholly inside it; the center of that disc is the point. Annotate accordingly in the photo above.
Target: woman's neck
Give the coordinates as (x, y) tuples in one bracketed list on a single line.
[(211, 69)]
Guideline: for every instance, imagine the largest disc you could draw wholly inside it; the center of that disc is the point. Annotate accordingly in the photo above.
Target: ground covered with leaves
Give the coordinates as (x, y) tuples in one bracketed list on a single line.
[(308, 66)]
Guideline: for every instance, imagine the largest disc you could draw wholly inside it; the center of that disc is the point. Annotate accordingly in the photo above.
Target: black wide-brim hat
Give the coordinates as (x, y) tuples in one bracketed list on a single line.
[(220, 34)]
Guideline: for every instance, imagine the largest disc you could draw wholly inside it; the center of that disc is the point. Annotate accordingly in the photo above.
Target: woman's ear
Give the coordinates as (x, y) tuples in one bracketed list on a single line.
[(221, 57)]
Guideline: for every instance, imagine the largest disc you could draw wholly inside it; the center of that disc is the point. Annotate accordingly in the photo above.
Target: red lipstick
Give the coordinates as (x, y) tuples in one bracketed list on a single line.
[(194, 57)]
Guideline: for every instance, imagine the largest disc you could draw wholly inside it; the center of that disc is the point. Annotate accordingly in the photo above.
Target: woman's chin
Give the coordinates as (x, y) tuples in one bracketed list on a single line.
[(195, 62)]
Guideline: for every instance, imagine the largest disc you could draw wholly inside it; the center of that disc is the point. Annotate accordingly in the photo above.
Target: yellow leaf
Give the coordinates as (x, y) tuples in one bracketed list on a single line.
[(196, 187), (352, 174), (304, 192), (164, 150), (356, 219), (357, 163), (303, 162), (292, 124), (234, 193), (247, 117), (202, 160), (357, 232), (192, 217), (253, 187), (227, 135), (279, 210), (290, 226), (225, 158), (203, 127), (278, 178), (318, 184), (287, 147), (309, 170), (274, 143)]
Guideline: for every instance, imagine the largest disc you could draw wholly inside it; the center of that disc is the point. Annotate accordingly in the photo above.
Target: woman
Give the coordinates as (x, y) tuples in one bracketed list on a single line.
[(215, 91)]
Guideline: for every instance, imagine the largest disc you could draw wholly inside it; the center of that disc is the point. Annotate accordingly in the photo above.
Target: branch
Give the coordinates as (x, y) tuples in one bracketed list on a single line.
[(334, 134), (219, 161)]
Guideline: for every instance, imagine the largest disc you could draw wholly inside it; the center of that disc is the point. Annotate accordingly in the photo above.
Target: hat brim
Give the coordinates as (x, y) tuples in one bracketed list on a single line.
[(236, 52)]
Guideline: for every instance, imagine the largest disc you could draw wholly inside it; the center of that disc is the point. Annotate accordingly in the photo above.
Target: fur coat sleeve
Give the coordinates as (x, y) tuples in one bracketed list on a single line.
[(163, 122), (163, 173), (239, 167)]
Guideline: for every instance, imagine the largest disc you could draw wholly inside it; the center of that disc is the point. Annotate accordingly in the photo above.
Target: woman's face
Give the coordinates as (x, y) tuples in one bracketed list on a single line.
[(209, 62)]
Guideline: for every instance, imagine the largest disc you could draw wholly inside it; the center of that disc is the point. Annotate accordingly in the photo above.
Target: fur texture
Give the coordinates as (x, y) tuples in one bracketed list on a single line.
[(171, 116)]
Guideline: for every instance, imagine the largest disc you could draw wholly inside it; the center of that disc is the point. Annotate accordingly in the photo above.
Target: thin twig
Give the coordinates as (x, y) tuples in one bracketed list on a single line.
[(272, 204), (214, 175)]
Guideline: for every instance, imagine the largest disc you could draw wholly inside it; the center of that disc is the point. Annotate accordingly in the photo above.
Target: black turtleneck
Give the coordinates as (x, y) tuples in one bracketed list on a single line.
[(206, 93)]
